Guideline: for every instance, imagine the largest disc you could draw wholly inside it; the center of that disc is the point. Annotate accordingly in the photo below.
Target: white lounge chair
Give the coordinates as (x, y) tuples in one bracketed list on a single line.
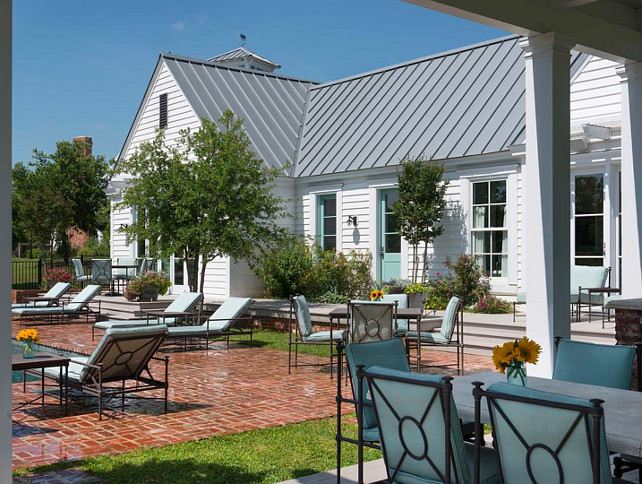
[(50, 298), (78, 305)]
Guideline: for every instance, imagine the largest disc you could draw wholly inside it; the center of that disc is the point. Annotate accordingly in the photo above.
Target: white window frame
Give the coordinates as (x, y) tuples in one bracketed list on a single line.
[(314, 201)]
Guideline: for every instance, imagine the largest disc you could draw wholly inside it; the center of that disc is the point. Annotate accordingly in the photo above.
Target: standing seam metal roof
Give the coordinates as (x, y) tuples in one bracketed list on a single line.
[(240, 53)]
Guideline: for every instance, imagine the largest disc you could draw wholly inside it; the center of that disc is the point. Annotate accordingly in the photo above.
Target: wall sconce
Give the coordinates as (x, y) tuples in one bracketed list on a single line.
[(352, 220)]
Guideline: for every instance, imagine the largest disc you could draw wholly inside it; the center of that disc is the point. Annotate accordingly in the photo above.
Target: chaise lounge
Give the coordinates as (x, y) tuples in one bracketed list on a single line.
[(78, 305), (50, 298)]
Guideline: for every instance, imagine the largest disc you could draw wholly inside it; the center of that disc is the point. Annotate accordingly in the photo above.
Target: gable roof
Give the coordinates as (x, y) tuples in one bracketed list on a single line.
[(464, 102), (240, 53)]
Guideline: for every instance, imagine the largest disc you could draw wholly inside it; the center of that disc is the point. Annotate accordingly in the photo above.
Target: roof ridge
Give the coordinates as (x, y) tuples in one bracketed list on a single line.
[(247, 52)]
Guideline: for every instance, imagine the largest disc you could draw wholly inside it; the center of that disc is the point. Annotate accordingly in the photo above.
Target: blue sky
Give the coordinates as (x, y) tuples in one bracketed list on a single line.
[(81, 68)]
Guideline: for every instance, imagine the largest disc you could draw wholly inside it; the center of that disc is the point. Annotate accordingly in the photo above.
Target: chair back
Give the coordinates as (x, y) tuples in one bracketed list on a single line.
[(101, 270), (390, 353), (301, 310), (128, 261), (421, 439), (450, 318), (546, 437), (594, 364), (371, 320), (58, 290), (78, 269), (588, 276), (142, 266), (184, 303), (224, 317), (402, 303), (83, 298), (124, 352)]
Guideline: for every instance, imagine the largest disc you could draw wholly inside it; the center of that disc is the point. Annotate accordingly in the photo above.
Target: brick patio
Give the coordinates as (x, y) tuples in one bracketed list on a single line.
[(211, 393)]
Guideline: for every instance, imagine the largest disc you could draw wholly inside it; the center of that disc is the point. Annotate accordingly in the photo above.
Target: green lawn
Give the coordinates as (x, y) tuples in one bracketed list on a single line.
[(260, 456), (269, 338)]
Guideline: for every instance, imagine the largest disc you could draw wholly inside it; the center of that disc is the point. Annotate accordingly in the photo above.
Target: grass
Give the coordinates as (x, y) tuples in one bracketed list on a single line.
[(259, 456), (270, 338)]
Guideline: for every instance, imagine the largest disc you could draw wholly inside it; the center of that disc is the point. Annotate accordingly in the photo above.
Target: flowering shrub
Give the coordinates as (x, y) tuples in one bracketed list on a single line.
[(469, 283), (492, 305), (57, 274), (439, 292), (150, 278)]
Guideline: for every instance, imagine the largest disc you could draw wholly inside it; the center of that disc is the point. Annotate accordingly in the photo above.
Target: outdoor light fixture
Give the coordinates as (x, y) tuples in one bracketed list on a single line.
[(352, 220)]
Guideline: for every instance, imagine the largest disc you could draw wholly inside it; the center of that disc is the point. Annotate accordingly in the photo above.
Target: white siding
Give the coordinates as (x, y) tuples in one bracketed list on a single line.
[(217, 278), (595, 93), (119, 218)]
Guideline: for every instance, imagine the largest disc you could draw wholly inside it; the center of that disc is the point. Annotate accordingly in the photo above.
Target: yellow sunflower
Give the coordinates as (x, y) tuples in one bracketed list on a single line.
[(376, 294), (503, 355), (529, 350)]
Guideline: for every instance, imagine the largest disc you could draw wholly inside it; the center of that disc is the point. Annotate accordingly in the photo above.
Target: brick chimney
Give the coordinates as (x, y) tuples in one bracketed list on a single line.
[(87, 142)]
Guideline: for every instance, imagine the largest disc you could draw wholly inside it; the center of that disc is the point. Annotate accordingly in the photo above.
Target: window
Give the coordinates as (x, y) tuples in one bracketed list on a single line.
[(589, 220), (490, 231), (162, 111), (327, 222)]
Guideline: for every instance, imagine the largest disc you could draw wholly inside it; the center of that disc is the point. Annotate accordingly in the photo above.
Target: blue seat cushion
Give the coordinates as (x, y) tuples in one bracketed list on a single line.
[(430, 338), (325, 336)]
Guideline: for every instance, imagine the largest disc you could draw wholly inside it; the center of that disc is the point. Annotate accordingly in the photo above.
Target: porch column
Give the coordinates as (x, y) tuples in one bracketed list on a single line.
[(547, 193), (631, 143)]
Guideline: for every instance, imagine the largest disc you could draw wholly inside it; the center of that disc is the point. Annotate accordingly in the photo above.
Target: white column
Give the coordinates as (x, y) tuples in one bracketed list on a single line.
[(547, 193), (5, 240), (631, 82)]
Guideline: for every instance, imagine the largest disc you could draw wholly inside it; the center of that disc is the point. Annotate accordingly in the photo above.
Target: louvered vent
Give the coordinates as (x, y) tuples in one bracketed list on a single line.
[(162, 111)]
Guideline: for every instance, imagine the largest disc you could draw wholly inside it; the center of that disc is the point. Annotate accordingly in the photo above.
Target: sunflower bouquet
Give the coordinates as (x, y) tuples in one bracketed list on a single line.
[(29, 335), (376, 295), (510, 357)]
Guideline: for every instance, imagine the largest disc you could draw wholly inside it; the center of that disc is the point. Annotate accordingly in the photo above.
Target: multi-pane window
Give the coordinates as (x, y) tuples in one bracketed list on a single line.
[(327, 223), (589, 220), (391, 237), (490, 231)]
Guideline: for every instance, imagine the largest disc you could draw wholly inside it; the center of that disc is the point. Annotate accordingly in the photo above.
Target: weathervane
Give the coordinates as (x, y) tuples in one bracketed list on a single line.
[(243, 39)]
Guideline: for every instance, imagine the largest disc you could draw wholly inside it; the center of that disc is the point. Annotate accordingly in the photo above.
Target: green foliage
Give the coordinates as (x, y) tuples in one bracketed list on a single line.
[(333, 298), (207, 197), (440, 291), (150, 278), (57, 191), (420, 206), (283, 268), (469, 282), (492, 305), (95, 247), (394, 286), (416, 288)]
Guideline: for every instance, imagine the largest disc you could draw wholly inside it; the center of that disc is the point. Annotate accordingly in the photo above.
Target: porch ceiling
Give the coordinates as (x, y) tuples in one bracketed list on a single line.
[(608, 28)]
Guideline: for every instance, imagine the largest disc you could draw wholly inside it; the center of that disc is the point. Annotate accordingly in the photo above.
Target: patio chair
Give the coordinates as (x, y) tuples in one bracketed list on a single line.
[(223, 322), (101, 272), (304, 335), (124, 275), (184, 303), (544, 437), (79, 270), (450, 334), (596, 364), (122, 355), (520, 299), (402, 303), (421, 440), (50, 298), (585, 279), (77, 306), (371, 320)]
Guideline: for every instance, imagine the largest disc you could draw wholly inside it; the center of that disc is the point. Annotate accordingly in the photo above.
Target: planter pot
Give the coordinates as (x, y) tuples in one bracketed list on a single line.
[(149, 293), (417, 300)]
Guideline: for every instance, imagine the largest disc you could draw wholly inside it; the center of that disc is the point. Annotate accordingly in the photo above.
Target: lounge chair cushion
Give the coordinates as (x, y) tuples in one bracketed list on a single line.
[(56, 292), (224, 316), (82, 298), (25, 311), (430, 338), (130, 323), (75, 369), (320, 336), (448, 324)]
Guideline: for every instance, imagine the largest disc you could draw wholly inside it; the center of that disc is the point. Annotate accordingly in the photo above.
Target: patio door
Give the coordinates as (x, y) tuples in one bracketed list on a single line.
[(176, 269), (589, 244), (388, 237)]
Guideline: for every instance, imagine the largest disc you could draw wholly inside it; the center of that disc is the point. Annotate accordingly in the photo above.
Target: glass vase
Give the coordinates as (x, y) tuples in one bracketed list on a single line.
[(516, 373), (29, 350)]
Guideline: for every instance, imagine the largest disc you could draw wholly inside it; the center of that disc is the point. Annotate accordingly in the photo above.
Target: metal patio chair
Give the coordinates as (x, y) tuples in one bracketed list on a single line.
[(78, 305), (79, 270), (101, 273), (50, 298), (371, 320)]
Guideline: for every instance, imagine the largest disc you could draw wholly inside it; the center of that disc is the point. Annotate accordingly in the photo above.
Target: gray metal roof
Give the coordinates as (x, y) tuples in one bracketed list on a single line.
[(459, 103), (241, 53), (270, 105)]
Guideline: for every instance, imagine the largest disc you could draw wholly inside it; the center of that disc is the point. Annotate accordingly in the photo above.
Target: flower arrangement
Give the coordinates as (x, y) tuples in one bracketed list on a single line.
[(56, 274), (29, 335), (376, 295), (510, 357), (150, 278)]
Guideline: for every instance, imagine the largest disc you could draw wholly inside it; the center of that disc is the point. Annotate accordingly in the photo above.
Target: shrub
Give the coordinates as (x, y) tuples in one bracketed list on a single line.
[(469, 282), (94, 247), (492, 305), (338, 273), (332, 298), (395, 286), (440, 290), (34, 254), (150, 278), (283, 268)]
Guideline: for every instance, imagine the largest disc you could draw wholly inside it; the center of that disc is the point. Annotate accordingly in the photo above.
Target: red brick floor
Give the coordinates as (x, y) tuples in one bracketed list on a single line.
[(212, 392)]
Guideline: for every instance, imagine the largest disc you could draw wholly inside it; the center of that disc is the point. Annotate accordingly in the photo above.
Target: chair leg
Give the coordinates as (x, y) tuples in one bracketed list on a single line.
[(514, 310)]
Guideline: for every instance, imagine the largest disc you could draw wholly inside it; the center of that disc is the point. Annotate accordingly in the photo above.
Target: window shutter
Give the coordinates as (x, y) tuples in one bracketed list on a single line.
[(162, 111)]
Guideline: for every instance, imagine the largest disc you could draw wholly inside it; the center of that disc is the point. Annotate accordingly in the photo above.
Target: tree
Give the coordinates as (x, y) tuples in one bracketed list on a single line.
[(55, 192), (207, 197), (420, 206)]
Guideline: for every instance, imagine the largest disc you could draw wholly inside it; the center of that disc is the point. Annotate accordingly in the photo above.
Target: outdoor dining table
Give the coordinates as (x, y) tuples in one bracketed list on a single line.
[(622, 408), (402, 313), (127, 267)]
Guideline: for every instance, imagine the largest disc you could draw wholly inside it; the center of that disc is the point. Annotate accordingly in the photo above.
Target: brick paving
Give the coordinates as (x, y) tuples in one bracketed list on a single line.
[(212, 392)]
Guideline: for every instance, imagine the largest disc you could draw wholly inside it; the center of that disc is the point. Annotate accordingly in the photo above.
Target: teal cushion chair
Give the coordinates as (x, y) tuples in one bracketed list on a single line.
[(79, 270), (223, 322), (594, 364), (184, 303), (420, 441), (122, 355), (301, 333), (402, 303), (450, 334), (582, 278), (371, 320), (79, 304), (546, 437), (50, 298)]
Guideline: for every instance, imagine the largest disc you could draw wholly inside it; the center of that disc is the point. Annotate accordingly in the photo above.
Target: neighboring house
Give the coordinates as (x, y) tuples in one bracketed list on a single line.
[(346, 138)]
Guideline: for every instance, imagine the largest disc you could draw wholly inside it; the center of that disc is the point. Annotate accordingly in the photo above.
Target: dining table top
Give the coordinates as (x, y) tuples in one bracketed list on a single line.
[(402, 313), (622, 408)]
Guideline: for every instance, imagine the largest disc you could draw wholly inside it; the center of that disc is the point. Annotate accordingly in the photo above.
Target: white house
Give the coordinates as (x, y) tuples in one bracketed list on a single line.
[(345, 139)]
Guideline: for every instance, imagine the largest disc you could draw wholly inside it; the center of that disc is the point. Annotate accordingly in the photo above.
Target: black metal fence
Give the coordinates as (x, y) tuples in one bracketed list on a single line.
[(27, 273)]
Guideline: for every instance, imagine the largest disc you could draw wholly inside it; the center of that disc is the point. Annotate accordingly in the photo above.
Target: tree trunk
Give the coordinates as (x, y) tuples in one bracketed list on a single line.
[(192, 271), (204, 263), (415, 261), (423, 272)]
